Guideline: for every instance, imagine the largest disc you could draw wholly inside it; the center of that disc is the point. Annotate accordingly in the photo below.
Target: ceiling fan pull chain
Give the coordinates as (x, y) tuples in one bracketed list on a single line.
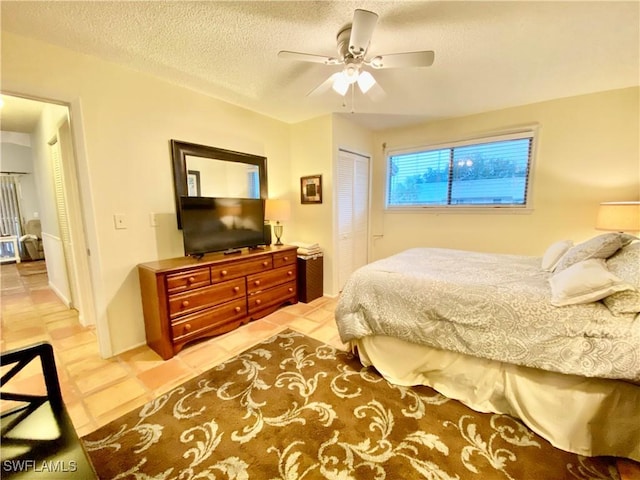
[(353, 98)]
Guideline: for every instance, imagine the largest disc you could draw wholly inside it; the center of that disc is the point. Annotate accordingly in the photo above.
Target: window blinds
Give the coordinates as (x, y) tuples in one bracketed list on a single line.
[(490, 172)]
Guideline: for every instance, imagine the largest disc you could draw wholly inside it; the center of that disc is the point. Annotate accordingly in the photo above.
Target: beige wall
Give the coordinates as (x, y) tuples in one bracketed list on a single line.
[(311, 154), (588, 152), (123, 121), (314, 150)]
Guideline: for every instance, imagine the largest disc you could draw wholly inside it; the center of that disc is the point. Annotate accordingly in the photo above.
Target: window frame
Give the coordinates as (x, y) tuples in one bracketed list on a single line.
[(530, 131)]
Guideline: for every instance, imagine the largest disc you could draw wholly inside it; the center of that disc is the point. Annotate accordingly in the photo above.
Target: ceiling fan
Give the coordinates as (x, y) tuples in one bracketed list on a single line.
[(353, 44)]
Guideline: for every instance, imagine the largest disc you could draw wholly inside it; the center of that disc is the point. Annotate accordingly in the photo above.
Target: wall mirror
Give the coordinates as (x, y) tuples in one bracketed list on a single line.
[(203, 171)]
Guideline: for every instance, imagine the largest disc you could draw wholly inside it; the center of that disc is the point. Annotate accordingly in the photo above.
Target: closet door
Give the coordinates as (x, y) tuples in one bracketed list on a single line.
[(62, 272), (353, 213)]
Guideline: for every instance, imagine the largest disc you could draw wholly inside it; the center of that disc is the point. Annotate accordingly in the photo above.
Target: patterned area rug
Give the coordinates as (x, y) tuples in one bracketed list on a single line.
[(293, 408)]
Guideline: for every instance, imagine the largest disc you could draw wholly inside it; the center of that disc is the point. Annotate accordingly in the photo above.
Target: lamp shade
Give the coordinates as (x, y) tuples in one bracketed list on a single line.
[(277, 209), (619, 216), (340, 84), (366, 81)]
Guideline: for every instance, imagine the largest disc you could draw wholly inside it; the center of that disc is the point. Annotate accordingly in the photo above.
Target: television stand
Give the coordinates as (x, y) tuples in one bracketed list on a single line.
[(184, 299)]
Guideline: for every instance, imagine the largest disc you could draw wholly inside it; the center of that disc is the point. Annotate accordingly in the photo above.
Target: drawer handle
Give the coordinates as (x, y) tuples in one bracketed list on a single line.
[(286, 258), (191, 280), (236, 289), (290, 289), (185, 303), (258, 301), (289, 273), (237, 309), (265, 264), (256, 283), (223, 273), (187, 327)]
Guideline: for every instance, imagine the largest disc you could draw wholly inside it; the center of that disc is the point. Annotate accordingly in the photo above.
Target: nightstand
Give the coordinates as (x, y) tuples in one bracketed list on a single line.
[(309, 278)]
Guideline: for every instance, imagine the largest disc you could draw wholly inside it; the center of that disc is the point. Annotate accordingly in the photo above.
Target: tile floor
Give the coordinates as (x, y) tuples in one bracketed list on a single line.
[(97, 390)]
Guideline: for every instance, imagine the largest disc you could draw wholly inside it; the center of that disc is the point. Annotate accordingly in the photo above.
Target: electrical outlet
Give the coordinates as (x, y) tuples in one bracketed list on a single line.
[(119, 221), (153, 221)]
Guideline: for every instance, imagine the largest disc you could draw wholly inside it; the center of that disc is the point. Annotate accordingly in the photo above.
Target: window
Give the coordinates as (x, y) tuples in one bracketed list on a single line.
[(489, 172), (253, 181)]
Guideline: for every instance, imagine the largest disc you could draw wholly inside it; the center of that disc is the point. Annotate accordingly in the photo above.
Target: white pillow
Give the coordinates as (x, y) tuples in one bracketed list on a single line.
[(584, 282), (625, 263), (602, 246), (554, 253)]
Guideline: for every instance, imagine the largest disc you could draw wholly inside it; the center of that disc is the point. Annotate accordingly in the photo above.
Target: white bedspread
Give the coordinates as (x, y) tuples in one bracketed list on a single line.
[(488, 305)]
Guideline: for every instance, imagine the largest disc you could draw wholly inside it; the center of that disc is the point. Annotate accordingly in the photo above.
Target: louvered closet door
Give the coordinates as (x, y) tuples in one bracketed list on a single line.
[(63, 220), (353, 213)]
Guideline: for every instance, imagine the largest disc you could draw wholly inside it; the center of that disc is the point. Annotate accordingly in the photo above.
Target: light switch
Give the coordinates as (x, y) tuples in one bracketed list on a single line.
[(119, 221)]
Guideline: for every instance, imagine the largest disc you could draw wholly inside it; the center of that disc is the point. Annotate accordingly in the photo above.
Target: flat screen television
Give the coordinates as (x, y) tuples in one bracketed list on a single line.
[(221, 224)]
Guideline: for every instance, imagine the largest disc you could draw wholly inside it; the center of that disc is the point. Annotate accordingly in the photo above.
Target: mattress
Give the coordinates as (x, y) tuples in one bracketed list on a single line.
[(489, 306)]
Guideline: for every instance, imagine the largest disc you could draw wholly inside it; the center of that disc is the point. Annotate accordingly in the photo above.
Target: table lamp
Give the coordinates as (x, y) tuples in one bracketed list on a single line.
[(277, 209), (619, 216)]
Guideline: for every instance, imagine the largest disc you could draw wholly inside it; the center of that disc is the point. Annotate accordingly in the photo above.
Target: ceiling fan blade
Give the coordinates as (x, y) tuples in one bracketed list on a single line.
[(308, 57), (376, 93), (324, 86), (362, 27), (407, 59)]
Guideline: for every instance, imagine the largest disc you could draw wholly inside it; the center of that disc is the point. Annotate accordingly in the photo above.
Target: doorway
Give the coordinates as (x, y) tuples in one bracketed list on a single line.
[(53, 195)]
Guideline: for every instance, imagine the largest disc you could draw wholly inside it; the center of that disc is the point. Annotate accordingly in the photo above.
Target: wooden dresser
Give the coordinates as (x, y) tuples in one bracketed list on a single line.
[(184, 299)]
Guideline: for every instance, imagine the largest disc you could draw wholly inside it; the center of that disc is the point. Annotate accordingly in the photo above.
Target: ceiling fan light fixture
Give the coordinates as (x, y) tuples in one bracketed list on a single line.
[(366, 81), (351, 70), (353, 42), (341, 84)]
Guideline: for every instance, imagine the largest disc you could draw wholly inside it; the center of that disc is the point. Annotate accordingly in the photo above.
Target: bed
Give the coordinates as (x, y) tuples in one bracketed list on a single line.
[(552, 340)]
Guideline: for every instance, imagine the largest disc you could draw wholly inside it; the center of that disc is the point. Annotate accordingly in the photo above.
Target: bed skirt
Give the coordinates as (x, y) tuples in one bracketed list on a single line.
[(587, 416)]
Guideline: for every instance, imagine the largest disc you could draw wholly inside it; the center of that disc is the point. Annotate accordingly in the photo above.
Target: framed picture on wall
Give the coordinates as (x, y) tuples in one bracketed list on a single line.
[(193, 183), (311, 189)]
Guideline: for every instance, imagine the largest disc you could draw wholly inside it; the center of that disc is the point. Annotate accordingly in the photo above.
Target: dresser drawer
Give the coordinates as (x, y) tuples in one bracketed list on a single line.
[(263, 281), (184, 299), (211, 319), (188, 280), (272, 296), (210, 296), (220, 273), (284, 258)]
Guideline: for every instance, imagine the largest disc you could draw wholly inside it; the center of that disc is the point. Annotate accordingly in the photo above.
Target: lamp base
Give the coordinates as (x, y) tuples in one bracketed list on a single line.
[(277, 230)]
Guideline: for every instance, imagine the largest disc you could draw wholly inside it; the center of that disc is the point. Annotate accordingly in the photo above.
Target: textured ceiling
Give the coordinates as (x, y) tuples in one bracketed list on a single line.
[(489, 55)]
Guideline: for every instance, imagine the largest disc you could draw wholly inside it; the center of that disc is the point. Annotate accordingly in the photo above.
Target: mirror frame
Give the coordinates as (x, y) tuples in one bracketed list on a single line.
[(179, 151)]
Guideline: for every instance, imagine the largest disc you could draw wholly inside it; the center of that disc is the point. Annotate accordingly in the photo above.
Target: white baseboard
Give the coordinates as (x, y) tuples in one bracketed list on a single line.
[(60, 295)]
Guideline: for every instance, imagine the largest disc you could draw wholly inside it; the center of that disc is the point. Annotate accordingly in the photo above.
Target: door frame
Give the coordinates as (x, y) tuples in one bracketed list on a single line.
[(81, 209)]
